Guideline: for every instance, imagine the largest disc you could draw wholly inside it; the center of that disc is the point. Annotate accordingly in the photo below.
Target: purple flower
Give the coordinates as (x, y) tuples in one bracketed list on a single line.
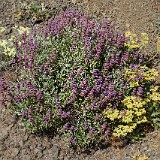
[(23, 114), (72, 140), (71, 128), (49, 114), (39, 95), (85, 124), (106, 133), (96, 73), (74, 88), (30, 114), (70, 76), (65, 114), (80, 71), (120, 39), (97, 117), (66, 126), (91, 93), (45, 119), (84, 83), (134, 91), (140, 91), (104, 125), (91, 131), (53, 56)]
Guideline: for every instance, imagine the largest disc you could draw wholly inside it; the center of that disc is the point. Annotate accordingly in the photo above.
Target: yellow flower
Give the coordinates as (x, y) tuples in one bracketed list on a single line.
[(12, 38), (133, 38), (140, 112), (154, 89), (123, 130), (144, 67), (135, 46), (144, 38), (151, 74), (127, 34), (155, 96), (128, 117), (112, 114), (143, 158), (133, 42), (134, 84), (3, 43), (23, 29), (147, 100), (2, 29), (141, 120)]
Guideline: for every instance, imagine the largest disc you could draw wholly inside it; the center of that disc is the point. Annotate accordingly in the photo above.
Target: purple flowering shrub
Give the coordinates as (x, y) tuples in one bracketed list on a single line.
[(77, 76)]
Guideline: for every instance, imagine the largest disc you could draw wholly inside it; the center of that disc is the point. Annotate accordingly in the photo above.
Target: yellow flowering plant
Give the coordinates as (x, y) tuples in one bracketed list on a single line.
[(134, 42), (7, 45), (136, 110)]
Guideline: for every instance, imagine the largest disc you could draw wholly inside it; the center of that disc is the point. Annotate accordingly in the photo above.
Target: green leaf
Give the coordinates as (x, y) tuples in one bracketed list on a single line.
[(154, 114), (28, 124)]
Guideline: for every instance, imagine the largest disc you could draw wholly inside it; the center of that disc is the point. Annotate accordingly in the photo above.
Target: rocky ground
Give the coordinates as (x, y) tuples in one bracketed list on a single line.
[(134, 15), (16, 144)]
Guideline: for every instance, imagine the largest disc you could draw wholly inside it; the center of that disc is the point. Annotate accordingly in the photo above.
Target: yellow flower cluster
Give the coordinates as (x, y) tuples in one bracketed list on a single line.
[(133, 42), (123, 130), (155, 95), (131, 74), (132, 102), (143, 158), (139, 157), (7, 47), (112, 114), (128, 117), (135, 112), (135, 107), (144, 39), (147, 73), (150, 74), (134, 115), (134, 84), (22, 29)]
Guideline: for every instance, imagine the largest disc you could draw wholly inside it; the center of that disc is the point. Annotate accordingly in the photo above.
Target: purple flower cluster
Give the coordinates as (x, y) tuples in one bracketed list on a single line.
[(69, 72)]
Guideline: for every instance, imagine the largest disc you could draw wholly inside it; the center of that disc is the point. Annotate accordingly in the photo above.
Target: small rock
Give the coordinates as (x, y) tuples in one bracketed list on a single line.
[(4, 134), (54, 151), (3, 147), (66, 158), (25, 151), (45, 152), (21, 143), (25, 138), (8, 31), (26, 157), (36, 150), (15, 152), (76, 1)]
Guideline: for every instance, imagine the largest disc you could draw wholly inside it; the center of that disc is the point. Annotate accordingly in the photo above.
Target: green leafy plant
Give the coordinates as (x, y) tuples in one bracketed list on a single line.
[(35, 12)]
